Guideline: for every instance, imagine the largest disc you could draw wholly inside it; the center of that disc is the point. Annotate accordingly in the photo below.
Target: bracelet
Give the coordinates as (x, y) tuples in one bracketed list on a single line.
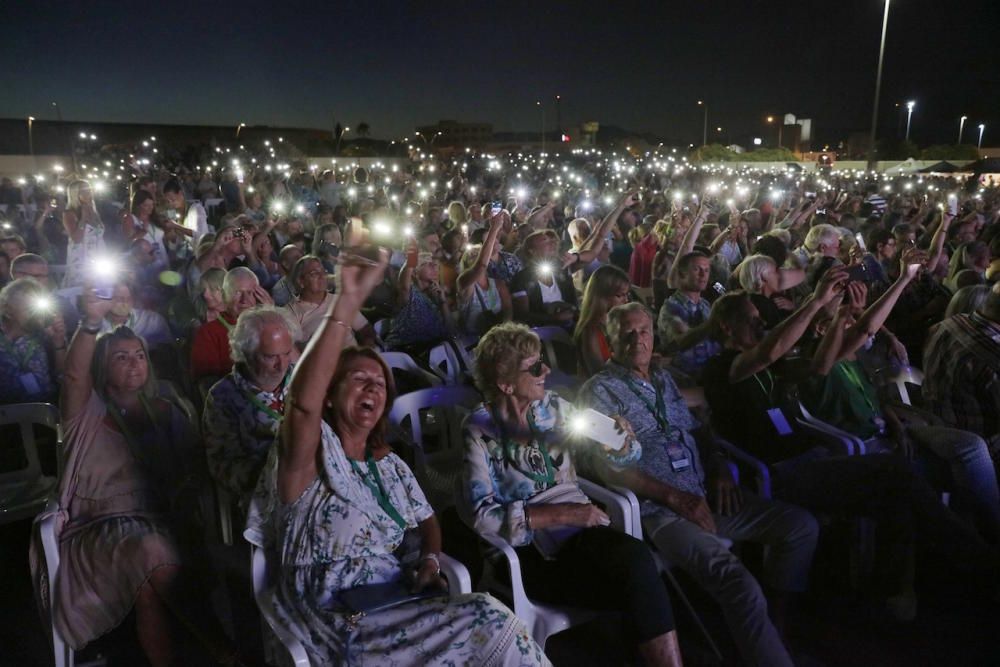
[(343, 324), (433, 557)]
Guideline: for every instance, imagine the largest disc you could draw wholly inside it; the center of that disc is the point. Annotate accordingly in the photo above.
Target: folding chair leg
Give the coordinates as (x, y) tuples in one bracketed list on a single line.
[(697, 619)]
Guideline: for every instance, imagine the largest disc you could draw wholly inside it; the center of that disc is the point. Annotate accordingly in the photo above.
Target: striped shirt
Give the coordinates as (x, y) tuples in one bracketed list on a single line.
[(962, 374)]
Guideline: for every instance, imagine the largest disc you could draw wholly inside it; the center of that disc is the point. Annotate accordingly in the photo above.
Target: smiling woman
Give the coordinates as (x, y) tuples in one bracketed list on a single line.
[(345, 514)]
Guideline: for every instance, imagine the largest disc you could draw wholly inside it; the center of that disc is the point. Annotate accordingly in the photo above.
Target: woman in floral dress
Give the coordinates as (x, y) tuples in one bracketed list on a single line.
[(334, 503)]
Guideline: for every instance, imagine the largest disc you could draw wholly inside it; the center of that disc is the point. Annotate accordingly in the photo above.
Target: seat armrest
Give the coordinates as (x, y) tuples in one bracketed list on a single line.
[(459, 581), (616, 506), (838, 441), (502, 548), (762, 472), (633, 503)]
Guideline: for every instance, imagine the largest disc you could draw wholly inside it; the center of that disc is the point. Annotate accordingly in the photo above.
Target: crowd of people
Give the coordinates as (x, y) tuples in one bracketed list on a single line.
[(707, 310)]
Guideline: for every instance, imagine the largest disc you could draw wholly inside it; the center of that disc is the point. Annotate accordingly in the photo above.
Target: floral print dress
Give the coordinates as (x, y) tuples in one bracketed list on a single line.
[(336, 536)]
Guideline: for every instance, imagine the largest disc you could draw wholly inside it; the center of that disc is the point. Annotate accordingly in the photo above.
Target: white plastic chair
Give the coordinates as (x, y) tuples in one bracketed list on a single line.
[(264, 570), (545, 620), (24, 492), (224, 508), (404, 362), (899, 377), (436, 470), (550, 337), (50, 546), (452, 360), (838, 440)]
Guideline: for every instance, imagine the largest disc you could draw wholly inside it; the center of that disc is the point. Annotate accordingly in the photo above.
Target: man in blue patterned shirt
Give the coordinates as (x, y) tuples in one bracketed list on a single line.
[(676, 487)]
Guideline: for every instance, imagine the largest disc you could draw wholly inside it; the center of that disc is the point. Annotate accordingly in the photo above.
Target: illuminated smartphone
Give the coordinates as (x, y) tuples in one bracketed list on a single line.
[(497, 207), (861, 241), (599, 427)]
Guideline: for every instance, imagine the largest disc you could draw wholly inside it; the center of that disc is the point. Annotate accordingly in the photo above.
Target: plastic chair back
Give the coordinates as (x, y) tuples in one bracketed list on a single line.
[(404, 362), (444, 361), (262, 568), (50, 547), (436, 467), (550, 338), (24, 491)]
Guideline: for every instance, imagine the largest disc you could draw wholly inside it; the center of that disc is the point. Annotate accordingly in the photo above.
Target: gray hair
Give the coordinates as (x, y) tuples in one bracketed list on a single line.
[(618, 313), (299, 269), (244, 339), (820, 235), (232, 276), (17, 293), (752, 270)]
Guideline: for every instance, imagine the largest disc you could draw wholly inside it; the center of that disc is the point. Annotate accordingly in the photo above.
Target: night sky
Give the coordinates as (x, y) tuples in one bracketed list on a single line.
[(641, 66)]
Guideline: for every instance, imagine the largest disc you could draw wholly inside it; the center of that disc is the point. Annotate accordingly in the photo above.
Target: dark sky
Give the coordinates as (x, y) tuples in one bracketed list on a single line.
[(395, 65)]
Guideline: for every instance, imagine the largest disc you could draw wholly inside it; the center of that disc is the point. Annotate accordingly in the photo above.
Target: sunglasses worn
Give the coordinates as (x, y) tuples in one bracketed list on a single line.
[(535, 369)]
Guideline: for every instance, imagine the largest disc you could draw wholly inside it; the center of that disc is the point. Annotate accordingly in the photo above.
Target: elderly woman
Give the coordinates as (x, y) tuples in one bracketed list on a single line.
[(243, 410), (519, 482), (335, 503), (313, 301), (423, 318), (124, 501), (32, 343), (543, 292)]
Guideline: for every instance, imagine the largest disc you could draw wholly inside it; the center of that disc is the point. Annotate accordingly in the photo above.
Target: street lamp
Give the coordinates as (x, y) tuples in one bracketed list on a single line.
[(909, 115), (878, 87), (539, 105), (982, 127), (31, 142), (961, 126), (704, 125), (781, 126), (238, 128)]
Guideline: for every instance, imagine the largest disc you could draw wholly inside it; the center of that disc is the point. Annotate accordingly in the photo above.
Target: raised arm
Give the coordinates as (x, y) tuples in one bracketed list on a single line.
[(785, 335), (687, 245), (77, 382), (300, 428), (937, 241), (872, 320), (471, 276)]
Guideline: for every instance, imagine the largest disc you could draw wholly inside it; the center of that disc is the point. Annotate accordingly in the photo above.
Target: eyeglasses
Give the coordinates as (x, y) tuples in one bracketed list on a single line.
[(536, 369)]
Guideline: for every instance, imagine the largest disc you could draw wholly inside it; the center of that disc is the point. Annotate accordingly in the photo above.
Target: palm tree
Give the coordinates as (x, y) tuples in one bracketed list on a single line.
[(363, 129)]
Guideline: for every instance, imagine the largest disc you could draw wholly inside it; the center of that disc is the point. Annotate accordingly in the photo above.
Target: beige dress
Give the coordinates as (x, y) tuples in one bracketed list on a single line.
[(112, 522)]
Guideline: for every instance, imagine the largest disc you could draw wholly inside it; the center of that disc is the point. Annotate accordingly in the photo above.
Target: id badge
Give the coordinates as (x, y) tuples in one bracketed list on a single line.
[(679, 460), (781, 424), (30, 383)]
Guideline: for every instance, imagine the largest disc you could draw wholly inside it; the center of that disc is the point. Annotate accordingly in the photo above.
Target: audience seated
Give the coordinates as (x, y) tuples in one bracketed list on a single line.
[(519, 482), (542, 292), (608, 287), (126, 498), (32, 343), (335, 503), (690, 498), (148, 324), (284, 291), (243, 410), (482, 300), (746, 399), (210, 354), (423, 318), (312, 301)]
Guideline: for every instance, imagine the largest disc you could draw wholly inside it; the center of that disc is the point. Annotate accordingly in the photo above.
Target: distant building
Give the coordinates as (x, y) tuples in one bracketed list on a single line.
[(453, 133)]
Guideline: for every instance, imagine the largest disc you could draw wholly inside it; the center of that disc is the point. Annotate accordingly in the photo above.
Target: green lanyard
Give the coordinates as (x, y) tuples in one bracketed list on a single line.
[(549, 478), (222, 319), (264, 407), (22, 359), (855, 379), (115, 413), (768, 394), (374, 483), (659, 410)]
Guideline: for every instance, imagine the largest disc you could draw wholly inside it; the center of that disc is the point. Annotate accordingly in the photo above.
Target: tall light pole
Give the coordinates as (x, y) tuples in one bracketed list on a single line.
[(542, 108), (909, 115), (982, 127), (238, 128), (31, 142), (781, 126), (704, 125), (961, 126), (878, 87)]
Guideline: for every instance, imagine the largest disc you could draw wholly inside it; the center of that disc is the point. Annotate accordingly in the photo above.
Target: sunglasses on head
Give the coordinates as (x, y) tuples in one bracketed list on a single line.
[(535, 369)]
